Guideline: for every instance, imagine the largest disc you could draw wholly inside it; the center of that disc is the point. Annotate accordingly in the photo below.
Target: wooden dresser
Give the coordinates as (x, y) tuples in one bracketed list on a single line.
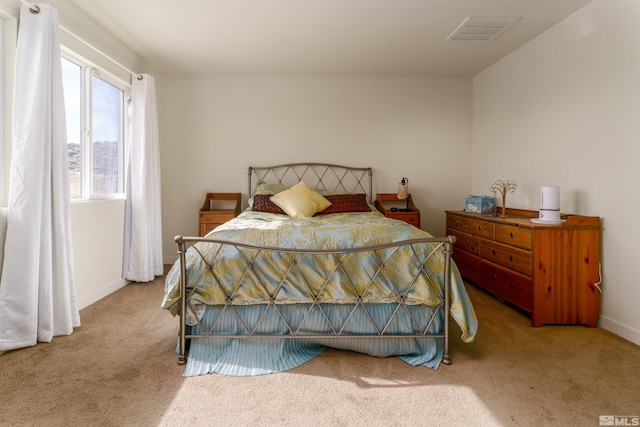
[(217, 209), (549, 271)]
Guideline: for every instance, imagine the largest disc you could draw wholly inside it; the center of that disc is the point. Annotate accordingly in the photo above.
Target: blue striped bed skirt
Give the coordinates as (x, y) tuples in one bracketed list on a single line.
[(259, 356)]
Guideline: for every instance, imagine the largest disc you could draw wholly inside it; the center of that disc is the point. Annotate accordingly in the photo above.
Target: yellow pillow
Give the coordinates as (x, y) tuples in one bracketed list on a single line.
[(300, 201)]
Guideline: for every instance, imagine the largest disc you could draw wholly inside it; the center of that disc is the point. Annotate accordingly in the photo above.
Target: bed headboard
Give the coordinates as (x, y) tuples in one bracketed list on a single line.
[(319, 176)]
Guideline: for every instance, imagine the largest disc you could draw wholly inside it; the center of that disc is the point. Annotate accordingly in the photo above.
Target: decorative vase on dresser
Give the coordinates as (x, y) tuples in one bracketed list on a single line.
[(550, 271)]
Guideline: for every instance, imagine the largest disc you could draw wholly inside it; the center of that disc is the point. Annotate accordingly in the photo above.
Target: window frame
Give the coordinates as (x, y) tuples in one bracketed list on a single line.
[(88, 71)]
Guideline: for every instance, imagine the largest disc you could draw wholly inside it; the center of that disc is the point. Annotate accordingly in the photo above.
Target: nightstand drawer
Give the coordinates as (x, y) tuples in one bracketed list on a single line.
[(207, 227), (216, 217), (403, 210), (217, 209), (412, 218)]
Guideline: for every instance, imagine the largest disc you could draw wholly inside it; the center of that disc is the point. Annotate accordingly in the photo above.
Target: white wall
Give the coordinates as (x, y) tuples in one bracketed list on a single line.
[(214, 128), (97, 241), (98, 238), (563, 110)]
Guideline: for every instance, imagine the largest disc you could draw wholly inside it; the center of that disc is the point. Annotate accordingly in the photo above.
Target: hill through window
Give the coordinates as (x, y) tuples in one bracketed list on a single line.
[(97, 120)]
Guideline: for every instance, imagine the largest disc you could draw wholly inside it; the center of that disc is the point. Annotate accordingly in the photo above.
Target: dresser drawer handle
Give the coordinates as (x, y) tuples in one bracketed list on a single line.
[(495, 277), (511, 235), (510, 257), (479, 228), (511, 285), (467, 243), (494, 252)]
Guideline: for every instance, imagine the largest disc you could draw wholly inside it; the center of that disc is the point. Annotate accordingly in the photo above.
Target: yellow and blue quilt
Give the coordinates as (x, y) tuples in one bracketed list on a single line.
[(218, 273)]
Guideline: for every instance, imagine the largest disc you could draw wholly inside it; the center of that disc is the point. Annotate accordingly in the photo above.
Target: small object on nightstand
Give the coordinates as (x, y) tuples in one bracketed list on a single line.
[(217, 209), (391, 207), (403, 191)]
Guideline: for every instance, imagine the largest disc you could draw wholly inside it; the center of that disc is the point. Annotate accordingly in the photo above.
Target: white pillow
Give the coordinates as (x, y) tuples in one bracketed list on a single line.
[(300, 201)]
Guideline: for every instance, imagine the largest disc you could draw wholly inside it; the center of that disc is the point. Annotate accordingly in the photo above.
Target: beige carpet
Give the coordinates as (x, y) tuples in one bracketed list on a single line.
[(119, 369)]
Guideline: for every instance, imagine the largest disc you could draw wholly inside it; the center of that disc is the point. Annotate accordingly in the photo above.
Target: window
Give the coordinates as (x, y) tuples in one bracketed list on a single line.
[(95, 107)]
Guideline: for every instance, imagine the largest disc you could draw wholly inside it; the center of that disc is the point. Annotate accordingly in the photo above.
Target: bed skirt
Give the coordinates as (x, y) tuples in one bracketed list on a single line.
[(259, 356)]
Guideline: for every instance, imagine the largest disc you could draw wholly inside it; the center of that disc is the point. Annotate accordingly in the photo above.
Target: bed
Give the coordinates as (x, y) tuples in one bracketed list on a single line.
[(292, 275)]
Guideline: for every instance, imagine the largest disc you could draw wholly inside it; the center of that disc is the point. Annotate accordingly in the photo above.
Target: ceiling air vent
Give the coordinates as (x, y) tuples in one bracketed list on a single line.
[(483, 29)]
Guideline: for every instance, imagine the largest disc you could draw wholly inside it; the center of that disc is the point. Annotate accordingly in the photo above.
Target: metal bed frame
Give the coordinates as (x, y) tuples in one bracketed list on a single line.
[(320, 176), (332, 178)]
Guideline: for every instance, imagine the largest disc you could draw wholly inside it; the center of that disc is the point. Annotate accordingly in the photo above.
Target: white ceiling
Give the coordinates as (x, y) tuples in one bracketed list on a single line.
[(344, 37)]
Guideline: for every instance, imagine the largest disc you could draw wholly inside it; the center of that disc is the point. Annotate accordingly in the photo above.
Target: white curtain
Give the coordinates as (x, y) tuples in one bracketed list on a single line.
[(37, 294), (143, 219)]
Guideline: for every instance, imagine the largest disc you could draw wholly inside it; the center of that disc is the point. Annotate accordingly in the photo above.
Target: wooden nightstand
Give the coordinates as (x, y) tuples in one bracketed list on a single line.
[(217, 209), (391, 207)]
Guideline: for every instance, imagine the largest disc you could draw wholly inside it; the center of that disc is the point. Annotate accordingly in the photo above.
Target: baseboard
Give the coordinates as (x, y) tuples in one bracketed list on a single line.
[(98, 294), (619, 329)]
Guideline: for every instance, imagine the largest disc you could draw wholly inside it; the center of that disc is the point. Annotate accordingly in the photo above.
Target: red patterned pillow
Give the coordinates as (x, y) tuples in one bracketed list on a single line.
[(261, 203), (341, 203)]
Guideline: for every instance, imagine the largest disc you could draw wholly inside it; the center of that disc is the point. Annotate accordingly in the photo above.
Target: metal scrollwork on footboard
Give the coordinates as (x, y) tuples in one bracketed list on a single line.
[(439, 248)]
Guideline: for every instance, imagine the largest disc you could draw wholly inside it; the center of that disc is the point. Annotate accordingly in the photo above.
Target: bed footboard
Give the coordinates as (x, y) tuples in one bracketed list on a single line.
[(439, 248)]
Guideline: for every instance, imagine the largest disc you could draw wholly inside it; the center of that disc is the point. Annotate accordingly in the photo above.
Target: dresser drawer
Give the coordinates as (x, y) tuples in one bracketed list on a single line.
[(457, 222), (507, 256), (465, 242), (509, 285), (468, 265), (481, 228), (512, 235)]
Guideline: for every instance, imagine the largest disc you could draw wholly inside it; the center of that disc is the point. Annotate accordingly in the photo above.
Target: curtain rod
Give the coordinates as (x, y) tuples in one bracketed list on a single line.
[(32, 7), (35, 9)]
